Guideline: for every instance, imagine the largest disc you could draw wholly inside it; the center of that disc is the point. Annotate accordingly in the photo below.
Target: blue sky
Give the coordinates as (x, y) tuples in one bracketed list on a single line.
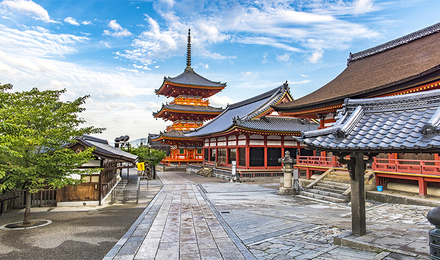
[(118, 51)]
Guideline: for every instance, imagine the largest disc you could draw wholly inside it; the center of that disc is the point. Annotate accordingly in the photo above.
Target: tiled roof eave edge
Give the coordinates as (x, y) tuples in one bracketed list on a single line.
[(276, 97), (340, 99), (326, 131), (395, 43)]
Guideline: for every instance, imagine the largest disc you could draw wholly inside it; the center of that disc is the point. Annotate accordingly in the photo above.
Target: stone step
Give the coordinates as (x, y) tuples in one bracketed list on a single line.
[(333, 185), (328, 193), (324, 188), (343, 179), (322, 197), (338, 173)]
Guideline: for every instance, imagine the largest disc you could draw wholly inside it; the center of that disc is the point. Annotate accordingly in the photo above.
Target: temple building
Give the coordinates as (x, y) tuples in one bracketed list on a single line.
[(409, 64), (188, 110), (253, 135), (405, 65)]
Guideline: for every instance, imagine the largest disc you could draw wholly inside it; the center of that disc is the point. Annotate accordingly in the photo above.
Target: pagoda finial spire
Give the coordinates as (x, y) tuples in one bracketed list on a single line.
[(188, 50)]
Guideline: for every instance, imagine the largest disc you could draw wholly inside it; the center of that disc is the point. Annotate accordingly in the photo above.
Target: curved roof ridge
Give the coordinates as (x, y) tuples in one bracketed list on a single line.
[(394, 43), (259, 97)]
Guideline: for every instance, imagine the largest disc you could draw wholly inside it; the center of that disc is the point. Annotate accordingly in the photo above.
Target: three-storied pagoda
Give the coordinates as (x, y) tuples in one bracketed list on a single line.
[(188, 110)]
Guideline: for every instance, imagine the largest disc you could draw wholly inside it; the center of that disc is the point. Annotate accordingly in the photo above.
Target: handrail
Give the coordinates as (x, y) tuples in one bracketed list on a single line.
[(426, 167)]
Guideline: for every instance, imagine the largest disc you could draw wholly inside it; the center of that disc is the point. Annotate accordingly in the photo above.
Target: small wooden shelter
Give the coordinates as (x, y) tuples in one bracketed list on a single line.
[(366, 127), (97, 186)]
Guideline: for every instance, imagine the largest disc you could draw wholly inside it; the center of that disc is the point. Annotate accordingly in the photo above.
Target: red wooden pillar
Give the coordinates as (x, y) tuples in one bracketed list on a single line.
[(437, 158), (265, 152), (334, 161), (309, 173), (247, 152), (423, 189)]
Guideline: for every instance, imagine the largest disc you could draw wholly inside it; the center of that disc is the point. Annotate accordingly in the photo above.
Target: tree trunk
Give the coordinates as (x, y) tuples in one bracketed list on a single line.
[(27, 212)]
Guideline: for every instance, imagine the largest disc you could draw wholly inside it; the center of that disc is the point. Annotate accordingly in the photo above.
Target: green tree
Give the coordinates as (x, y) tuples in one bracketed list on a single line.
[(146, 154), (35, 127)]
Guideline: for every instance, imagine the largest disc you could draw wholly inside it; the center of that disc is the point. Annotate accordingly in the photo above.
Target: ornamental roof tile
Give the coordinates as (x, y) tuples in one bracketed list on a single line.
[(377, 71), (405, 123)]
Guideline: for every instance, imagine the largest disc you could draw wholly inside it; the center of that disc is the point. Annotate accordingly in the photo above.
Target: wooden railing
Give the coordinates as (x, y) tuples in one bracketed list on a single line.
[(46, 197), (428, 167), (107, 187), (320, 161)]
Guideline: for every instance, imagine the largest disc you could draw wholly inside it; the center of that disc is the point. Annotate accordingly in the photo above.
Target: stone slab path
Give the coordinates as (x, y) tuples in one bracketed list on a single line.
[(241, 221), (178, 224)]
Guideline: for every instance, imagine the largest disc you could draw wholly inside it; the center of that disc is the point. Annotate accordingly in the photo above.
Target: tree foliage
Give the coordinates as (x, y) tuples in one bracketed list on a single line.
[(146, 154), (35, 127)]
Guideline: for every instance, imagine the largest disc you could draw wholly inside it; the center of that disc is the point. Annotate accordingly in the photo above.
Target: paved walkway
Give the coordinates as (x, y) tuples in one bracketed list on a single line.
[(242, 221), (178, 224)]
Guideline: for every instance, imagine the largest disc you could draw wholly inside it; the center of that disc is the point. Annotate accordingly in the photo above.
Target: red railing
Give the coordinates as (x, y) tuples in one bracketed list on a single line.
[(318, 161), (428, 167)]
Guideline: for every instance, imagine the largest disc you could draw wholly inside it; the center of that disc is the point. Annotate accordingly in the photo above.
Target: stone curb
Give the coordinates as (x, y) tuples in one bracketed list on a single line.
[(115, 249), (348, 240)]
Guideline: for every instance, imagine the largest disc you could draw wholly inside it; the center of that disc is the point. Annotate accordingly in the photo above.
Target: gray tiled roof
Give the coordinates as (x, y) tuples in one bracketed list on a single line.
[(102, 148), (405, 123), (242, 114), (278, 124), (190, 77)]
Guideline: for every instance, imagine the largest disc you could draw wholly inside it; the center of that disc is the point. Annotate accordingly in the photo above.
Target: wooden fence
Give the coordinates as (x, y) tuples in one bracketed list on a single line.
[(43, 198)]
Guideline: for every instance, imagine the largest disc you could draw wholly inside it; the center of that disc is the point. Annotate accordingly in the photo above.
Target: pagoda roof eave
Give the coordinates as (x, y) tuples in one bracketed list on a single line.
[(192, 80)]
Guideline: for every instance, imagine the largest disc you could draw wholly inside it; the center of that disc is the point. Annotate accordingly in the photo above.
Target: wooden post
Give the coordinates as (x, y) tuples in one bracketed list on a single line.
[(358, 216)]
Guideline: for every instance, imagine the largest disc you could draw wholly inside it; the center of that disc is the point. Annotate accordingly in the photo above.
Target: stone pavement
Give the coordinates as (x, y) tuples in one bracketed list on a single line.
[(243, 221), (178, 224)]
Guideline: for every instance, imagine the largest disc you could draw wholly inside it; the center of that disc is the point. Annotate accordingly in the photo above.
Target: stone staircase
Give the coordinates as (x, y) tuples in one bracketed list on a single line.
[(207, 172), (332, 186)]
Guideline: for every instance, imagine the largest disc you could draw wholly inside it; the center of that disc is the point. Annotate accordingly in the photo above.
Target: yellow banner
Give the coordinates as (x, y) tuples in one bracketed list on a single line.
[(141, 166)]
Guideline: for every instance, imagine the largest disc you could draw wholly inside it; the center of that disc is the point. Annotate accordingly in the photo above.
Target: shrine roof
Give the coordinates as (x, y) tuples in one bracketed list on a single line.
[(188, 109), (405, 123), (377, 70), (244, 114), (103, 149)]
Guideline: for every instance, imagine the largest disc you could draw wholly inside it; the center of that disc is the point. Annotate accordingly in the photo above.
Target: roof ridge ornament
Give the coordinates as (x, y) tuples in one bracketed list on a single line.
[(394, 43), (188, 50)]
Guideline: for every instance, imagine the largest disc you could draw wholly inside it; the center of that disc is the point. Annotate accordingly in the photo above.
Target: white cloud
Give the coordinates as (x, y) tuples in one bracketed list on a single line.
[(71, 20), (285, 57), (250, 74), (86, 22), (220, 101), (316, 56), (38, 42), (30, 8), (363, 6), (118, 30)]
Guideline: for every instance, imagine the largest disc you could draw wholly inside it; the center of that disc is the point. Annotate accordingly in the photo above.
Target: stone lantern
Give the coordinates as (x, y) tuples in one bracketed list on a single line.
[(287, 169), (434, 235)]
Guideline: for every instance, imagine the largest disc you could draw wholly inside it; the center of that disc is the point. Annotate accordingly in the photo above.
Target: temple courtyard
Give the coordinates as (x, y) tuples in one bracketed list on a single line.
[(183, 216)]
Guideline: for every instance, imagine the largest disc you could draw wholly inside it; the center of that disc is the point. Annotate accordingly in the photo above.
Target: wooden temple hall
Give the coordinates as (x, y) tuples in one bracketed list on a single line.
[(409, 64)]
